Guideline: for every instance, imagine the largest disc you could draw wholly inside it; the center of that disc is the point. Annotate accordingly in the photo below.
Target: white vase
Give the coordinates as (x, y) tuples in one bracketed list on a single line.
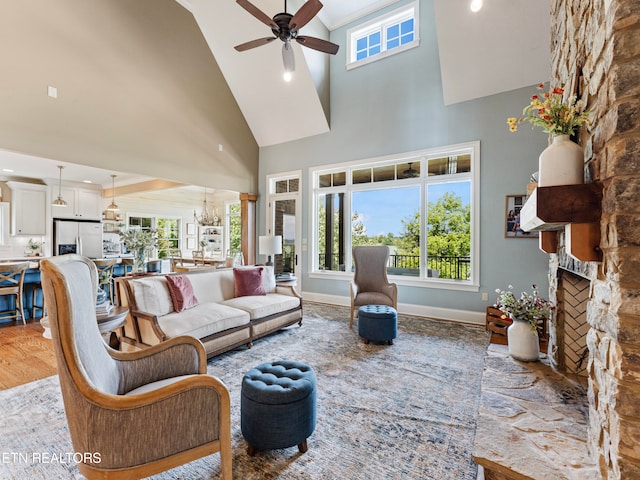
[(523, 341), (561, 163)]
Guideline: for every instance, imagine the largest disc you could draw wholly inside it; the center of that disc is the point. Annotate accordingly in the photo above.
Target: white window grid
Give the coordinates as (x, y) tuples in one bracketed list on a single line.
[(381, 25)]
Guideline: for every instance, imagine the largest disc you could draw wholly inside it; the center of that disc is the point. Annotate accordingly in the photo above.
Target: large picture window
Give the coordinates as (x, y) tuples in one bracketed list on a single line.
[(422, 205)]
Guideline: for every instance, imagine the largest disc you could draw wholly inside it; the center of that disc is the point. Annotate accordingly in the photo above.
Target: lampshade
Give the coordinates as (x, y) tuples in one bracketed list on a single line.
[(270, 244)]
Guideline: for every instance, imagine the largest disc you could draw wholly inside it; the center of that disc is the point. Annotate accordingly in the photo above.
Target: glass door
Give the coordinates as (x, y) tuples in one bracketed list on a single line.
[(285, 221)]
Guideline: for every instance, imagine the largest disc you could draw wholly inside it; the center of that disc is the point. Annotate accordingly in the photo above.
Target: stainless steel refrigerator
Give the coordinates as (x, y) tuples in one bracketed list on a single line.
[(84, 238)]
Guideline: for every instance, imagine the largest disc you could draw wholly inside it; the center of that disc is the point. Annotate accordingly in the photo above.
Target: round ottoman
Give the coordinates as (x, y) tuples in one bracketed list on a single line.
[(377, 323), (278, 405)]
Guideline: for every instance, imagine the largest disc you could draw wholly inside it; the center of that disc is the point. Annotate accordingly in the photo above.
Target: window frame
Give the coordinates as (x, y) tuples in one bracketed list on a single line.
[(154, 225), (381, 24), (422, 156)]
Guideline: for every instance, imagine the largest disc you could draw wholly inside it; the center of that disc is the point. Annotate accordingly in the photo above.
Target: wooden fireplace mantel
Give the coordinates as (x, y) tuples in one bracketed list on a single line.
[(576, 209)]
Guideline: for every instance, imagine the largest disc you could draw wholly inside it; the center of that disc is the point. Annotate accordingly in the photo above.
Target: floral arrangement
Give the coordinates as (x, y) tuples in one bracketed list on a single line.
[(34, 244), (529, 307), (551, 112), (136, 240)]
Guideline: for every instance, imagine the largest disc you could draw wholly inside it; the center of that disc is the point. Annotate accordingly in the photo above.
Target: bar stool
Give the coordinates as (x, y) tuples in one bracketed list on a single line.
[(11, 283), (35, 288)]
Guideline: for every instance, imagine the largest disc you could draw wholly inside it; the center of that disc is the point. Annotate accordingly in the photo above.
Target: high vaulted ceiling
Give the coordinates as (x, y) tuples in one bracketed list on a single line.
[(502, 47)]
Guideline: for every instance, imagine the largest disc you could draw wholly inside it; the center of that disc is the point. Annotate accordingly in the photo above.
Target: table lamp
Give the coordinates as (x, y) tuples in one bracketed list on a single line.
[(270, 245)]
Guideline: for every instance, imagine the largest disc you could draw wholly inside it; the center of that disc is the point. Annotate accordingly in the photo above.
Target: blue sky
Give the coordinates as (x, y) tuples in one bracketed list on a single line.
[(382, 211)]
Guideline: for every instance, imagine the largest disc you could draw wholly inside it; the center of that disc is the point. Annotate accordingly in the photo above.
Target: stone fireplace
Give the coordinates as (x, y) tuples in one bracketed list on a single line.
[(598, 43)]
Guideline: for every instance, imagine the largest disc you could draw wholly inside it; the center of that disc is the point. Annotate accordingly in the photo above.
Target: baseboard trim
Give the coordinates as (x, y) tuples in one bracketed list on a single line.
[(448, 314)]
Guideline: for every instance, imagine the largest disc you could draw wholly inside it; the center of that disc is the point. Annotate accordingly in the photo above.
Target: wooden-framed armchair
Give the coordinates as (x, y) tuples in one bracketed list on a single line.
[(137, 413), (370, 285)]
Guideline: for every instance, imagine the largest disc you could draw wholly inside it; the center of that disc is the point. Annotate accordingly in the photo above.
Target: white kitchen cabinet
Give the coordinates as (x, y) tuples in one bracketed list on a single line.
[(28, 208), (4, 223), (82, 204)]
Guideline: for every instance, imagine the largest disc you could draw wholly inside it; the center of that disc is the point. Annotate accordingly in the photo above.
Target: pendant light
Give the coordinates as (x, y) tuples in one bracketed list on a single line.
[(59, 202), (113, 207)]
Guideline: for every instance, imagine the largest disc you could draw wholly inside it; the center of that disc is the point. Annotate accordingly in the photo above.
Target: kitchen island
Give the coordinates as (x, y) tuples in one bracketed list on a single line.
[(32, 288)]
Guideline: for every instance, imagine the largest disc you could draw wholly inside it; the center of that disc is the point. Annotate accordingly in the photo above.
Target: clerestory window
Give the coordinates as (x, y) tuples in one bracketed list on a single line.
[(386, 35)]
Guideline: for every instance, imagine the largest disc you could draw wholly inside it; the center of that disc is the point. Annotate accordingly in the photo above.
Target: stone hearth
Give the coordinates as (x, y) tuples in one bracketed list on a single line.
[(532, 421)]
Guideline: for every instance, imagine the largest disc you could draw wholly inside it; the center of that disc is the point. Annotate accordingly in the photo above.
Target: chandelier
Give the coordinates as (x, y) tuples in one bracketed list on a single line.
[(206, 218)]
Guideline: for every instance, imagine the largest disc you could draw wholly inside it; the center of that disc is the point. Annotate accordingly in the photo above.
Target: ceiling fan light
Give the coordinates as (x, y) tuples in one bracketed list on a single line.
[(476, 5), (289, 61)]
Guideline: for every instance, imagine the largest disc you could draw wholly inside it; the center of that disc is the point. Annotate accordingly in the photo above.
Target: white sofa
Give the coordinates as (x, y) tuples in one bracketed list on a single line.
[(220, 320)]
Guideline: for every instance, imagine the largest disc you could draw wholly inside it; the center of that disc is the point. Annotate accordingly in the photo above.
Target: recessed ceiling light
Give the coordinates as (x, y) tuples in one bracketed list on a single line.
[(87, 181), (7, 170)]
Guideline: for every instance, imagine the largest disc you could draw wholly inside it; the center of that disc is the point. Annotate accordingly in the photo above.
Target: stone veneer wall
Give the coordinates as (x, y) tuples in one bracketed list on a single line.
[(602, 38)]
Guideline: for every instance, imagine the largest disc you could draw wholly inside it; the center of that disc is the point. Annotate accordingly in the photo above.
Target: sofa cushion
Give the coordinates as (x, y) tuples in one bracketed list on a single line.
[(181, 292), (151, 295), (268, 279), (212, 285), (259, 306), (248, 281), (202, 320)]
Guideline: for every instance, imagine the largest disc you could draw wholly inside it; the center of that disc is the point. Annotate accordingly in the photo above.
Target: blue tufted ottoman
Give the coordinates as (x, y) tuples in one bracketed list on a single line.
[(377, 323), (278, 405)]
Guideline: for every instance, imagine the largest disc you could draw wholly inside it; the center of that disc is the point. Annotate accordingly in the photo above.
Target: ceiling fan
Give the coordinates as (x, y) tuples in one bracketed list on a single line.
[(285, 26), (410, 172)]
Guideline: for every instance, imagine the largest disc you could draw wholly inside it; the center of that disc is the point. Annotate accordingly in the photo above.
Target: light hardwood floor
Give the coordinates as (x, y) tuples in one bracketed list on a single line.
[(25, 355)]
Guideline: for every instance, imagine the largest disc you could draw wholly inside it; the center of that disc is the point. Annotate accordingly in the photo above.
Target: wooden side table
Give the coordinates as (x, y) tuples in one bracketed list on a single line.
[(111, 322)]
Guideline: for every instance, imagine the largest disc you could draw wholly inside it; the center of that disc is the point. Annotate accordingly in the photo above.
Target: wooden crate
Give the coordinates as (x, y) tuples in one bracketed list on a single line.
[(495, 322)]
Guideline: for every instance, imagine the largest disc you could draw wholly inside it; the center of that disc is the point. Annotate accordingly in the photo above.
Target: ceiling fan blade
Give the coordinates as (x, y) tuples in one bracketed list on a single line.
[(288, 58), (304, 15), (254, 43), (318, 44), (259, 14)]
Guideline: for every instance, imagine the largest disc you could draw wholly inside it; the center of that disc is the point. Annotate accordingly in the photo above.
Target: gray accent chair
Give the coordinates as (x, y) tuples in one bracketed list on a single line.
[(370, 285), (132, 414)]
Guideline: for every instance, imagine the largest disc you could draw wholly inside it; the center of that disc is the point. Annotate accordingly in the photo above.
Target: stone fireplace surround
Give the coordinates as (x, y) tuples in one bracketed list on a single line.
[(598, 43)]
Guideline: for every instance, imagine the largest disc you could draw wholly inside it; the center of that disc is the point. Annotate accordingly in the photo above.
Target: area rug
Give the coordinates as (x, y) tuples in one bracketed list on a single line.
[(401, 411)]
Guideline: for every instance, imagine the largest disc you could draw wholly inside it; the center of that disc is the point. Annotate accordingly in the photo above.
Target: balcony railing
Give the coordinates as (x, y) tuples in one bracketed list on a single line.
[(445, 266)]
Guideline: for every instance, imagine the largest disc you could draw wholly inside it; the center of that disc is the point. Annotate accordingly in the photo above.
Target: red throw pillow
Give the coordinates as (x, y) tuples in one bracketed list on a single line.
[(181, 292), (248, 281)]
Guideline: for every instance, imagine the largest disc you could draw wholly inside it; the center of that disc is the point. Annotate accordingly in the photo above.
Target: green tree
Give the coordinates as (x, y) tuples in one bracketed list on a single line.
[(449, 227), (359, 231)]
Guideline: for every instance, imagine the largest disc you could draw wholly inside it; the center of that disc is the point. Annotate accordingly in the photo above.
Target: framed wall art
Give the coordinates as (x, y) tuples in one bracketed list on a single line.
[(514, 204)]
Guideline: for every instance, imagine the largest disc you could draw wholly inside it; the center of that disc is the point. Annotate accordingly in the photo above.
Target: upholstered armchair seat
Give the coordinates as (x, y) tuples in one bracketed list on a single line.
[(370, 285), (143, 412)]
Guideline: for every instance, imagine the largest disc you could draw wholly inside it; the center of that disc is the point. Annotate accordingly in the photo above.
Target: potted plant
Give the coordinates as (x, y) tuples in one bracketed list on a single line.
[(562, 162), (139, 242), (525, 312), (34, 248)]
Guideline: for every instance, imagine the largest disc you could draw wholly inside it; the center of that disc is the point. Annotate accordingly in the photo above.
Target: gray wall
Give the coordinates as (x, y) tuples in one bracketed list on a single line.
[(138, 91), (395, 105)]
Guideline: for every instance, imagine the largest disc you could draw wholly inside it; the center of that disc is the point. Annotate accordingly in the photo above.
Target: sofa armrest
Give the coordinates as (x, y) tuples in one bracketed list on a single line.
[(288, 290), (140, 317)]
